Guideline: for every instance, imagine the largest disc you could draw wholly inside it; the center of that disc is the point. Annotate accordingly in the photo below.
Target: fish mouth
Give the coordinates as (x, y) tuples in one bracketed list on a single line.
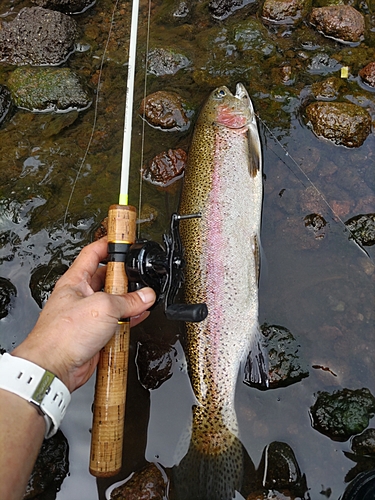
[(241, 92)]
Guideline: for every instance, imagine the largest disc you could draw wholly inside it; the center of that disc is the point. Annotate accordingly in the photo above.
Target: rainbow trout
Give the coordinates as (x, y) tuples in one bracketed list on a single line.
[(223, 184)]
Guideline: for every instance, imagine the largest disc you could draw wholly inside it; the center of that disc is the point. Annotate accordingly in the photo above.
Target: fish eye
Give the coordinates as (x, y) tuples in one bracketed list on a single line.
[(220, 93)]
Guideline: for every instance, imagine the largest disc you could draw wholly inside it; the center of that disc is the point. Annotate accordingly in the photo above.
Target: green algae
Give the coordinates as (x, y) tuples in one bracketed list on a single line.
[(48, 89)]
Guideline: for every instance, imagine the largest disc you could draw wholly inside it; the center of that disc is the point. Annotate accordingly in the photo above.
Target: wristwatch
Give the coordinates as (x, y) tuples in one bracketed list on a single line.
[(38, 386)]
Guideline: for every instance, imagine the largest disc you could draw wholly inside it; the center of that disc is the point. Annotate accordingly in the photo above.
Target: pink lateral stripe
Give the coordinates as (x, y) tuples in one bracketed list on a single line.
[(215, 267)]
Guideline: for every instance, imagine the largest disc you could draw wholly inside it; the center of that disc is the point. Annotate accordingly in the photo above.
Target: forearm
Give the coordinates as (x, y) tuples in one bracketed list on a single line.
[(77, 321), (22, 431)]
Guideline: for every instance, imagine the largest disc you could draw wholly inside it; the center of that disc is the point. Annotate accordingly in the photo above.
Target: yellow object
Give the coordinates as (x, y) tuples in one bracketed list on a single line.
[(345, 72), (123, 199)]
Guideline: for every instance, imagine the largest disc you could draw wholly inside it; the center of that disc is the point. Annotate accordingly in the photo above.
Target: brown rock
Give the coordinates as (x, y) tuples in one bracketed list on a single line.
[(146, 484), (285, 11), (368, 74), (165, 168), (341, 22), (165, 110), (342, 123)]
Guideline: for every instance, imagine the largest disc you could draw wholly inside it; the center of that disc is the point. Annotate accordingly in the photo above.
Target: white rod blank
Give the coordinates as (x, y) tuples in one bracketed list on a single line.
[(126, 145)]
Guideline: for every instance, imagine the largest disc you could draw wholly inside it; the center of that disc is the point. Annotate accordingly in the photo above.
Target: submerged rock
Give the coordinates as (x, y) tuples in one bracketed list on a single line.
[(279, 473), (67, 6), (166, 110), (250, 36), (236, 51), (43, 280), (166, 62), (285, 366), (37, 36), (343, 413), (50, 469), (285, 11), (57, 122), (316, 223), (343, 123), (361, 488), (367, 74), (364, 444), (327, 89), (150, 483), (48, 89), (7, 293), (363, 454), (154, 363), (322, 64), (182, 10), (165, 168), (362, 228), (221, 9), (5, 102), (341, 22), (147, 215)]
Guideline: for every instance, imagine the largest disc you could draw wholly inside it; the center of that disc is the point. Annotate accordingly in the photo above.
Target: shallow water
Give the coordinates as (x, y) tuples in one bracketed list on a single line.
[(320, 289)]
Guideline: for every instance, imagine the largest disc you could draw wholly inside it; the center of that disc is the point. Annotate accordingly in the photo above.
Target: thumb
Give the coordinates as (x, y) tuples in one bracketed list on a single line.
[(136, 302)]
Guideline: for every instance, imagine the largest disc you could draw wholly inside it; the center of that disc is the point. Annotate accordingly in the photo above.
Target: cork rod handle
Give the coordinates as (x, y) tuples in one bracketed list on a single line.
[(111, 378)]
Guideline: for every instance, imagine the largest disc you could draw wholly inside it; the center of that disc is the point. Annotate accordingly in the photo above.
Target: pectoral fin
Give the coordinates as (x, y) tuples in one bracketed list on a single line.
[(255, 157)]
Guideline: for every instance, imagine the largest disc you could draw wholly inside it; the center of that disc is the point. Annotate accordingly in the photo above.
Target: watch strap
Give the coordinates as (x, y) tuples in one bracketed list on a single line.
[(38, 386)]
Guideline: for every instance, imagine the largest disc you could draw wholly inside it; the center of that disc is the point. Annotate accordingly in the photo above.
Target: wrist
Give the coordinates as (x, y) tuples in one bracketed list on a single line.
[(46, 358), (39, 387)]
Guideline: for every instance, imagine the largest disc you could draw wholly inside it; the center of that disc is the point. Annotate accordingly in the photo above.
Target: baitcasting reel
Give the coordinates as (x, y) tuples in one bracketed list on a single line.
[(149, 264)]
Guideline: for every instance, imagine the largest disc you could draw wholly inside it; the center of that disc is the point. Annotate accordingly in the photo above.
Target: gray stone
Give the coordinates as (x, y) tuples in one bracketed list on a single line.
[(37, 36)]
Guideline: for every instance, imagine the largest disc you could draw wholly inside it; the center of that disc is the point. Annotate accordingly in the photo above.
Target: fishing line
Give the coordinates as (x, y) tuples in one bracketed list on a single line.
[(143, 117), (323, 198), (96, 106), (286, 152)]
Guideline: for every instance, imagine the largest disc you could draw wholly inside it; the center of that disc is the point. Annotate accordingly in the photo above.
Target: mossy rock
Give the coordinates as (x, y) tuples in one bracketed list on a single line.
[(343, 123), (48, 89), (343, 413)]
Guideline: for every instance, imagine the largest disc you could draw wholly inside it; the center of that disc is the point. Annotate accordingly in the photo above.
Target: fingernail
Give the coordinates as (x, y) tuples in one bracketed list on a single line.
[(146, 294)]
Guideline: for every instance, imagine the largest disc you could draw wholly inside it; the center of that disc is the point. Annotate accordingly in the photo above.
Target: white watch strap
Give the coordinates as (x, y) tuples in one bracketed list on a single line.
[(38, 386)]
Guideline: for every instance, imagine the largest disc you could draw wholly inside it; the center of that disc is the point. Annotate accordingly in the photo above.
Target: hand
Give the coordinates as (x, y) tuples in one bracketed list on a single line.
[(78, 320)]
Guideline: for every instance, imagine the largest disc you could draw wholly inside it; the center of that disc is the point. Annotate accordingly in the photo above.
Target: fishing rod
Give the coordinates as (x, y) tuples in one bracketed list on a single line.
[(131, 265), (110, 390)]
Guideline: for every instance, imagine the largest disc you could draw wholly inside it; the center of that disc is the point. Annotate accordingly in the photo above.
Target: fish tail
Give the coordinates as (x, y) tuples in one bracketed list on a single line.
[(212, 468)]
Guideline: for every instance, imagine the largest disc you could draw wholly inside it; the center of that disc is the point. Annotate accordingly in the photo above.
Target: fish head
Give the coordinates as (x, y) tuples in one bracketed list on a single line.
[(233, 111)]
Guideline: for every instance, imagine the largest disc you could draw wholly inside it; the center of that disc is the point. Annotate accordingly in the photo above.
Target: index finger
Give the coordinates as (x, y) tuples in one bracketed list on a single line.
[(86, 264)]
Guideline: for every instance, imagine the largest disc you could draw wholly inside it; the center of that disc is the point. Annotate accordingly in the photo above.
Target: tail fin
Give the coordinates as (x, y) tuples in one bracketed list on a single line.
[(202, 476), (213, 467)]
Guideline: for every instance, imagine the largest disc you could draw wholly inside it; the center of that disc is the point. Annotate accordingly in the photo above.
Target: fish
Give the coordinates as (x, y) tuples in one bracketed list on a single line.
[(223, 187)]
